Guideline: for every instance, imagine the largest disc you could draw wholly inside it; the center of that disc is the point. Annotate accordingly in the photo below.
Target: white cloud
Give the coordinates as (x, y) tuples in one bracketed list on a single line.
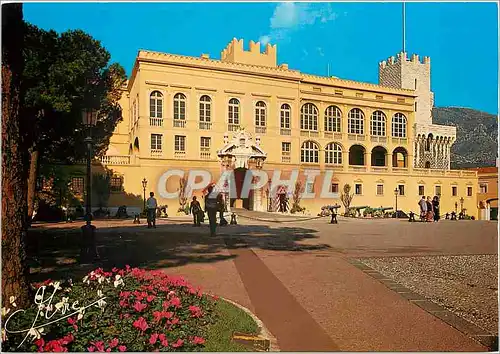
[(290, 16), (264, 39)]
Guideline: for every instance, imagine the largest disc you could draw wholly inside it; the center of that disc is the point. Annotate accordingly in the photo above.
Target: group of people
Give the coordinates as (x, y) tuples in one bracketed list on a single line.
[(429, 209), (214, 202)]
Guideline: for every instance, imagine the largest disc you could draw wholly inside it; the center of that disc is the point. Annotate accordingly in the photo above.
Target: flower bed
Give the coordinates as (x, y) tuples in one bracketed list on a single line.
[(122, 310)]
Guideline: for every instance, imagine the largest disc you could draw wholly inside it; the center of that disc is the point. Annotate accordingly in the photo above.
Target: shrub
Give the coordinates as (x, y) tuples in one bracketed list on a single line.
[(132, 310), (122, 212)]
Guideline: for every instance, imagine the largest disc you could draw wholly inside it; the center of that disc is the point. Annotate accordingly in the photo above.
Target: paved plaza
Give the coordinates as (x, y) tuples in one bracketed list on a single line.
[(313, 284)]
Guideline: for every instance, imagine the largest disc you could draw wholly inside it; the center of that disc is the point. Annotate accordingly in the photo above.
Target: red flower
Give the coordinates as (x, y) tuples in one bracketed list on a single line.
[(113, 342), (99, 345), (139, 306), (198, 340), (123, 303), (162, 337), (175, 321), (178, 344), (168, 314), (150, 298), (175, 302), (124, 293), (164, 343), (72, 322), (153, 338), (195, 311), (108, 350), (122, 348), (40, 343), (114, 270), (141, 324), (91, 349), (158, 315)]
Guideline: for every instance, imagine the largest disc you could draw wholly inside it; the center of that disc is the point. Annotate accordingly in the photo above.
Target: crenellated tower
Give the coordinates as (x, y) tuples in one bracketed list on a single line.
[(235, 53), (432, 142)]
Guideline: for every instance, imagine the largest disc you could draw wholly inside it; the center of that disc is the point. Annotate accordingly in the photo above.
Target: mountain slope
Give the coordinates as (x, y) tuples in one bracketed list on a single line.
[(477, 136)]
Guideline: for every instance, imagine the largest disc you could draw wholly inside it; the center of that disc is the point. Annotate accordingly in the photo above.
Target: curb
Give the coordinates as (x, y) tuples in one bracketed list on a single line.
[(471, 330), (263, 329)]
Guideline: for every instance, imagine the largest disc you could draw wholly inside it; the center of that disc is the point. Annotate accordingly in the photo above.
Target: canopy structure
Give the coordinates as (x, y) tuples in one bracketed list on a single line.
[(242, 151)]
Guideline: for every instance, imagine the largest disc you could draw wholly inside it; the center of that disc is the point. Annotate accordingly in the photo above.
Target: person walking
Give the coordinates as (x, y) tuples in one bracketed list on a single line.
[(423, 209), (430, 214), (435, 208), (221, 206), (151, 206), (195, 209), (211, 207)]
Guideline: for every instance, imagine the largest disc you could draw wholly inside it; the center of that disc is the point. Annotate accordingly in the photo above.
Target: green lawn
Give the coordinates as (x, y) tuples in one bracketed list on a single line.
[(230, 319)]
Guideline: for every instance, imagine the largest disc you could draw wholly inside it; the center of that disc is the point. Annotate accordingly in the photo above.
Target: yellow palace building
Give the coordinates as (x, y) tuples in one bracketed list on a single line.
[(246, 112)]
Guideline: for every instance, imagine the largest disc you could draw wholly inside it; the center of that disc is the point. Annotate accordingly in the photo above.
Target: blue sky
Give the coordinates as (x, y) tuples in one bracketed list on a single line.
[(460, 38)]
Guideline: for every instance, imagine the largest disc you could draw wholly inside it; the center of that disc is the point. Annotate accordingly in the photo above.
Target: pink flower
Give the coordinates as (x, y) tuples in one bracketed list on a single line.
[(40, 343), (141, 324), (99, 345), (108, 350), (198, 340), (150, 298), (123, 303), (168, 314), (164, 343), (113, 342), (175, 302), (175, 321), (153, 338), (158, 316), (178, 344), (122, 348), (195, 311), (138, 306), (124, 293), (162, 337), (91, 349)]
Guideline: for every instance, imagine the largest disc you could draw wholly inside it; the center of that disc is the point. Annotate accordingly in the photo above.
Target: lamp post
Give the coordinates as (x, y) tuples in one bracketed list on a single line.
[(456, 207), (396, 193), (88, 250), (144, 185), (461, 204)]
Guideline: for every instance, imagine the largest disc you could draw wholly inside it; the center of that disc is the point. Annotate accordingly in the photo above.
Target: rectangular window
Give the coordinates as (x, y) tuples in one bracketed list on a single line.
[(421, 190), (116, 184), (358, 189), (77, 184), (454, 191), (335, 188), (438, 191), (155, 141), (380, 189), (401, 189), (310, 187), (286, 147), (205, 142), (469, 191), (180, 143), (483, 188)]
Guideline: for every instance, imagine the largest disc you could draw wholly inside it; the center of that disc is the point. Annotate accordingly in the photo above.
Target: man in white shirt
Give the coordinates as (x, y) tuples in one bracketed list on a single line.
[(151, 206)]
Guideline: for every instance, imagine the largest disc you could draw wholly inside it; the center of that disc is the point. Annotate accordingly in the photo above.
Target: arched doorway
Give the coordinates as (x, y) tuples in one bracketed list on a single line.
[(238, 201), (399, 157), (378, 156), (427, 164), (357, 155)]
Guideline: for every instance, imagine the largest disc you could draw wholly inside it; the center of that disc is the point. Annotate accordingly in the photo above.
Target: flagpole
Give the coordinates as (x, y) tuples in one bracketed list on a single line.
[(404, 27)]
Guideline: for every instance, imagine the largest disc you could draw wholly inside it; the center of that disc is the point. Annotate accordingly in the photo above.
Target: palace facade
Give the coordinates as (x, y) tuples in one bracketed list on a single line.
[(245, 112)]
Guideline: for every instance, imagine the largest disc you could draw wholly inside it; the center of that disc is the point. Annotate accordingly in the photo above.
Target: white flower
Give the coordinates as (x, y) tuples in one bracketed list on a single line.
[(12, 300), (5, 311), (80, 314), (118, 282), (100, 279), (99, 293), (86, 280), (4, 335), (57, 285)]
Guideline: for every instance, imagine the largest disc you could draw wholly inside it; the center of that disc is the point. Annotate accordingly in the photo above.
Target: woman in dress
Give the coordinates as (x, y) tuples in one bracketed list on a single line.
[(430, 213), (435, 208)]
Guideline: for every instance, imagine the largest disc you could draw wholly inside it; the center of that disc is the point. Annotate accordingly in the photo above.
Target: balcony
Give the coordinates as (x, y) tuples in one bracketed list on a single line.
[(400, 141), (205, 153), (380, 169), (356, 137), (378, 139), (285, 131), (260, 130), (179, 123), (233, 127), (309, 133), (400, 169), (357, 168), (205, 125), (179, 154), (156, 122), (116, 160), (156, 153), (334, 166)]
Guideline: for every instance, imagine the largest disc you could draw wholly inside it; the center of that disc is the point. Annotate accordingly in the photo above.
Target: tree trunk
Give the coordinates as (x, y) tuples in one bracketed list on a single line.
[(32, 183), (14, 198)]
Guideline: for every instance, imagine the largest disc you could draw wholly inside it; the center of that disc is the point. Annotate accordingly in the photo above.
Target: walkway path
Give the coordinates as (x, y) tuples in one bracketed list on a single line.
[(297, 278)]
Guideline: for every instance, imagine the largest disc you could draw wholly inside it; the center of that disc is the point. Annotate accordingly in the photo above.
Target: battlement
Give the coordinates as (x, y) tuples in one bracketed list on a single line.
[(402, 57), (235, 53)]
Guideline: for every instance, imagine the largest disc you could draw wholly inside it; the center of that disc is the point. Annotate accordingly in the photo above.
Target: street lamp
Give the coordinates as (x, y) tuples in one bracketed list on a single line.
[(144, 185), (396, 193), (88, 251), (456, 207), (461, 204)]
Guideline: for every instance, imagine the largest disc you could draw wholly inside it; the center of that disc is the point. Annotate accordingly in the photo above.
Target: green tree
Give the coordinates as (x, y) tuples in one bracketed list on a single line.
[(101, 189), (64, 75), (14, 170)]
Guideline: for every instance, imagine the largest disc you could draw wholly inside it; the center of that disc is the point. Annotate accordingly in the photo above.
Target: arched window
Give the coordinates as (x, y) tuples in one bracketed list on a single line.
[(309, 117), (285, 114), (205, 108), (428, 142), (333, 154), (377, 124), (399, 126), (156, 104), (309, 152), (333, 116), (356, 121), (234, 111), (260, 114), (180, 106)]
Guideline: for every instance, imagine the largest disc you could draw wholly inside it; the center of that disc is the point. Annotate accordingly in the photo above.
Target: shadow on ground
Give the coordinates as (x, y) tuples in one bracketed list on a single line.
[(53, 252)]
